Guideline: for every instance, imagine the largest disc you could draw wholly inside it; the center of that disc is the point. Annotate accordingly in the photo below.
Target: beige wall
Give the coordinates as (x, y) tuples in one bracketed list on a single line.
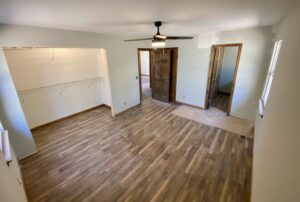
[(276, 162)]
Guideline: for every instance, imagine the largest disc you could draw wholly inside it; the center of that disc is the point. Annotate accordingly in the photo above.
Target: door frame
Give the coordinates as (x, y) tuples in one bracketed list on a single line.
[(210, 71), (174, 63), (140, 68)]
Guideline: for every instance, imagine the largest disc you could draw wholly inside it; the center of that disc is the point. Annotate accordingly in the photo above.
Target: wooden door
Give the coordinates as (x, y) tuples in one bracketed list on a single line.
[(161, 74), (216, 71)]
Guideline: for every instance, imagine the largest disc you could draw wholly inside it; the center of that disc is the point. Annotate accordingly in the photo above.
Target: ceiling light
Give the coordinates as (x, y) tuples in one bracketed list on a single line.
[(158, 43)]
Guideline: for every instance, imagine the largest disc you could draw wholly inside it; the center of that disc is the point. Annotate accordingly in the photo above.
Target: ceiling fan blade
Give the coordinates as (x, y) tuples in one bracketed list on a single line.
[(160, 36), (138, 39), (179, 37)]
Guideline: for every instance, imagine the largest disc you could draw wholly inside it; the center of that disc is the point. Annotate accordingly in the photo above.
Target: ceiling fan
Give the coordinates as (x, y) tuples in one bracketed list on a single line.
[(159, 40)]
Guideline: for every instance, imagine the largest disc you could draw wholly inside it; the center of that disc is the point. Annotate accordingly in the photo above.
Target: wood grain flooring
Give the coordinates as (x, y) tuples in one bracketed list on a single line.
[(221, 101), (144, 154), (146, 90)]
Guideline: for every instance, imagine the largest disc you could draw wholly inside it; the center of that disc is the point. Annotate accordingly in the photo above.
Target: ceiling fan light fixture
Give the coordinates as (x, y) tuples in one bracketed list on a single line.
[(158, 39), (158, 43)]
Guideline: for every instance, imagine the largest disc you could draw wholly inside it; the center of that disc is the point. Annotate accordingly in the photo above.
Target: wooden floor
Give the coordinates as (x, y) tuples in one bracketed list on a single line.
[(144, 154), (221, 101)]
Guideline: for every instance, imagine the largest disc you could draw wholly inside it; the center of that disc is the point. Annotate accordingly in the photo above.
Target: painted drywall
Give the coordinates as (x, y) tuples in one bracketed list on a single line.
[(53, 83), (145, 62), (227, 69), (103, 72), (193, 65), (121, 56), (37, 67), (11, 183), (11, 114), (276, 163)]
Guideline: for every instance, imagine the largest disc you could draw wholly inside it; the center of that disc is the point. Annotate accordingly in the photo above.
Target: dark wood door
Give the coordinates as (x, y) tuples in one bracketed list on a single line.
[(161, 78)]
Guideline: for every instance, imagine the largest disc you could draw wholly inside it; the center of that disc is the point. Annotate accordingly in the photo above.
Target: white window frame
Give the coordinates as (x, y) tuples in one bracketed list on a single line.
[(270, 77)]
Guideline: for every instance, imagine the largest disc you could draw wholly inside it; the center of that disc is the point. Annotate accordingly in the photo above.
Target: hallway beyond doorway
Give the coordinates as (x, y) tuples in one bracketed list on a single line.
[(221, 101), (146, 90)]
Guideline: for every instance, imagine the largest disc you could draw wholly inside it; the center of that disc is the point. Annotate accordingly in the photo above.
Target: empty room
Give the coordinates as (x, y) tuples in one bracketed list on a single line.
[(149, 101)]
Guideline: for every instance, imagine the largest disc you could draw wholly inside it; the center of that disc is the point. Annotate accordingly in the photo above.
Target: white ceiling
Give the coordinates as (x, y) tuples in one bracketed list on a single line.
[(133, 17)]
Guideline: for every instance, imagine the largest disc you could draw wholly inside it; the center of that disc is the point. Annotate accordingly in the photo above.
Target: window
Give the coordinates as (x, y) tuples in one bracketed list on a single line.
[(270, 76)]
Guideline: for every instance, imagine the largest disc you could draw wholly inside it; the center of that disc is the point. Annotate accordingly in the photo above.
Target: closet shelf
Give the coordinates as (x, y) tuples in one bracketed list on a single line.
[(64, 83)]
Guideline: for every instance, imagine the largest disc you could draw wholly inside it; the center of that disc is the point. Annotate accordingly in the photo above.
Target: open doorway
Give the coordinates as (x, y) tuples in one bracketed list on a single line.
[(145, 64), (222, 76), (161, 65)]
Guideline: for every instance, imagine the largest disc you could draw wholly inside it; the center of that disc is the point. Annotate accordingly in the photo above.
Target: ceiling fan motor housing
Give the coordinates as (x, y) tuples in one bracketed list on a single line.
[(157, 23)]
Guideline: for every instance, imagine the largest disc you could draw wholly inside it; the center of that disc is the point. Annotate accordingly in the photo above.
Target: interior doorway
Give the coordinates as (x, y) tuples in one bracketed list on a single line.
[(158, 73), (222, 76), (144, 56)]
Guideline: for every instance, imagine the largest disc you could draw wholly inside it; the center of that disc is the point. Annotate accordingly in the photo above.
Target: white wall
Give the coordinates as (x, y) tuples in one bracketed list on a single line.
[(121, 56), (192, 63), (10, 178), (104, 73), (11, 114), (276, 162), (227, 69), (193, 69), (145, 62), (53, 83)]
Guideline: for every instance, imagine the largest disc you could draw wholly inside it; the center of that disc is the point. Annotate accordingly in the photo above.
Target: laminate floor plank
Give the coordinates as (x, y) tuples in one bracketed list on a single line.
[(143, 154)]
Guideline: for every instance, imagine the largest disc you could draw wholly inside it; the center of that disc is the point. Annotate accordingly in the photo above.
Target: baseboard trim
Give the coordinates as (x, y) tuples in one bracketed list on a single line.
[(66, 117), (183, 103), (105, 105), (126, 110), (29, 155)]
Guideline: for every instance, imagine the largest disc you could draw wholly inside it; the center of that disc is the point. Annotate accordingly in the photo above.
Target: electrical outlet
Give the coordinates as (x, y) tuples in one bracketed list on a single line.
[(183, 97), (125, 103)]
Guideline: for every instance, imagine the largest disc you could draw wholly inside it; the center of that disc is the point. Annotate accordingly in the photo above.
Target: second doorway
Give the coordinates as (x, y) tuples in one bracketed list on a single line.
[(222, 75), (158, 73)]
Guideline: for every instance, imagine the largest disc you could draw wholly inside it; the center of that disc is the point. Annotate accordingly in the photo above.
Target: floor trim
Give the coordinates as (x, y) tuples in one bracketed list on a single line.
[(66, 117), (183, 103), (120, 113), (29, 155)]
